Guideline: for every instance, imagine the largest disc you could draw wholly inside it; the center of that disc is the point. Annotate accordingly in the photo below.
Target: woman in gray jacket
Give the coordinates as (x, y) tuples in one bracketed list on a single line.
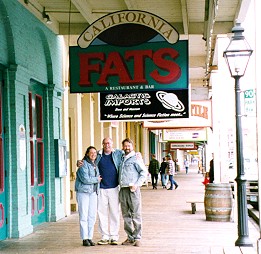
[(86, 187)]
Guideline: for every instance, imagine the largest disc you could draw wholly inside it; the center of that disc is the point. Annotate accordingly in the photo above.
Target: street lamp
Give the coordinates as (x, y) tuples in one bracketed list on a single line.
[(237, 56)]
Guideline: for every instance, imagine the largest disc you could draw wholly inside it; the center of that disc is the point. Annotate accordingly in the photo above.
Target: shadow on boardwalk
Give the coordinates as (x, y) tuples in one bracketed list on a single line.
[(168, 227)]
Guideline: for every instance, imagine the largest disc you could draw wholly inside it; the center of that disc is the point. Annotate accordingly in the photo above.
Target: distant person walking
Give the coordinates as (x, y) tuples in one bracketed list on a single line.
[(186, 164), (164, 176), (211, 170), (154, 171), (177, 166), (170, 172)]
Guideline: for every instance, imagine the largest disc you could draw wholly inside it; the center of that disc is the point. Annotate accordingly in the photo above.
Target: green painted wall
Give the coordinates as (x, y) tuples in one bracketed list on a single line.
[(29, 52)]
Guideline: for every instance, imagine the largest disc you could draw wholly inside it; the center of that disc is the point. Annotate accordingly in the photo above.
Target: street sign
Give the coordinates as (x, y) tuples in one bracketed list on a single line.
[(250, 102)]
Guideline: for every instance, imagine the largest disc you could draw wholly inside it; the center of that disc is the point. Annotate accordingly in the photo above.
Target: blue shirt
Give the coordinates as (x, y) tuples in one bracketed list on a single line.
[(108, 172)]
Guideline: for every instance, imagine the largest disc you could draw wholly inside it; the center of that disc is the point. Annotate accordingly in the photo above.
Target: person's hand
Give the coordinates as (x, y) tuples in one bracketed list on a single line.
[(79, 163), (99, 178), (133, 187)]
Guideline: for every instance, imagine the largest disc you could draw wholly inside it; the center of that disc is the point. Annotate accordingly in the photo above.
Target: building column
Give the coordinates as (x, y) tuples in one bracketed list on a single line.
[(98, 133), (223, 110), (87, 121), (75, 145)]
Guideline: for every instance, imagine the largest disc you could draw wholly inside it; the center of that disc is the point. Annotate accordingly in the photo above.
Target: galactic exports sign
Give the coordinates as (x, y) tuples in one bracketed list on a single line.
[(143, 105)]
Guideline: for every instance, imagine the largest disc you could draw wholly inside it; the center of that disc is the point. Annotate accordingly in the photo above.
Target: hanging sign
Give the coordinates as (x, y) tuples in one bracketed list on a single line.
[(132, 53), (185, 134), (148, 66), (182, 146), (143, 18), (200, 116), (143, 105)]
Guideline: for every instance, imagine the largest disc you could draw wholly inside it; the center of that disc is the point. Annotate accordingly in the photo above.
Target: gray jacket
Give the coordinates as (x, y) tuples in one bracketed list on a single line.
[(132, 170), (87, 178)]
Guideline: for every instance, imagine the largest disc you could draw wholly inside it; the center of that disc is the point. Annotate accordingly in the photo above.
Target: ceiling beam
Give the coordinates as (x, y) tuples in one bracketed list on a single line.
[(185, 20), (131, 4), (86, 10), (242, 9), (211, 9)]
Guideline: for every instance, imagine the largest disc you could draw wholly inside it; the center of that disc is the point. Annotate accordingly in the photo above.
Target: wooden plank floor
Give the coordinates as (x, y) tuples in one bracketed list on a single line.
[(168, 227)]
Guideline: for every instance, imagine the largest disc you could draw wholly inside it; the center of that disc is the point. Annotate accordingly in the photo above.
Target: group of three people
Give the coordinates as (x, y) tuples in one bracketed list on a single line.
[(105, 180), (166, 170)]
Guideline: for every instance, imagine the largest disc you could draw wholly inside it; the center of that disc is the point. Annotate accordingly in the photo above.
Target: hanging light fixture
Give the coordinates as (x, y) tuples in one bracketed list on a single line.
[(46, 16), (238, 52)]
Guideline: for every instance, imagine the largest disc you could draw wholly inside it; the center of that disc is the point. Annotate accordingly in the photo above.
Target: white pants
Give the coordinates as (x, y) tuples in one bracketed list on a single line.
[(109, 213), (87, 213)]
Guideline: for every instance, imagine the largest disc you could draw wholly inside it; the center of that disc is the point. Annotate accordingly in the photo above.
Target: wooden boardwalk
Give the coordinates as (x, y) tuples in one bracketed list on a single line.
[(168, 227)]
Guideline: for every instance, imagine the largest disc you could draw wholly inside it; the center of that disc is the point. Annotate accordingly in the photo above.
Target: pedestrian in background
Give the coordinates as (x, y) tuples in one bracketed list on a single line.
[(177, 166), (87, 187), (154, 171), (164, 176), (170, 172), (132, 175), (211, 170), (186, 164)]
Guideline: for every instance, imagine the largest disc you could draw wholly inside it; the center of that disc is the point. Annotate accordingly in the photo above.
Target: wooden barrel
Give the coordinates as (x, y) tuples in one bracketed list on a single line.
[(218, 202)]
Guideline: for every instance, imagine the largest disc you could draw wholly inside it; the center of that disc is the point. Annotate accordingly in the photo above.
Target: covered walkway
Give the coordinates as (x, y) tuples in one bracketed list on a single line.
[(168, 227)]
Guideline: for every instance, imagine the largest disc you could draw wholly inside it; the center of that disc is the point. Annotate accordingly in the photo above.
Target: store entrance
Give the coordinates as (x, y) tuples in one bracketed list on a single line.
[(38, 184)]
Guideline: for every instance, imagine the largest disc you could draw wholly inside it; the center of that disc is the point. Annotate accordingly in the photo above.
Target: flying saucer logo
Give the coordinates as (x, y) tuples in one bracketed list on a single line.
[(170, 101)]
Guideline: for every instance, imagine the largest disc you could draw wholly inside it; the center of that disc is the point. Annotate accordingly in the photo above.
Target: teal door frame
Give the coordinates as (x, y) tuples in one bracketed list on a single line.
[(3, 176), (38, 183)]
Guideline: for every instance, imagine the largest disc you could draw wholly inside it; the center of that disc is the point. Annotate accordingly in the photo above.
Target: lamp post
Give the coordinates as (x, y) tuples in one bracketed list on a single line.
[(237, 56)]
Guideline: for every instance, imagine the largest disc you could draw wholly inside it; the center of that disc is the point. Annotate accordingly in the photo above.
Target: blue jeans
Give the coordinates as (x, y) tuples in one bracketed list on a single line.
[(87, 204), (172, 181), (164, 179)]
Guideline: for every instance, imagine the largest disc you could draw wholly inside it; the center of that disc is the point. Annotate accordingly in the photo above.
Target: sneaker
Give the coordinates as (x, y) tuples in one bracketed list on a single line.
[(137, 243), (114, 242), (128, 242), (176, 186), (103, 242), (86, 243), (91, 242)]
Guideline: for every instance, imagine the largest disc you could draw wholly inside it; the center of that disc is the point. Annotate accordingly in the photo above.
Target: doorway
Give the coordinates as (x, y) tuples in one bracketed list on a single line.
[(38, 184)]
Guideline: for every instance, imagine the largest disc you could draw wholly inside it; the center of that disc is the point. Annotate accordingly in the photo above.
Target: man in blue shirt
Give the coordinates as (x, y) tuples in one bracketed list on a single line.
[(108, 161)]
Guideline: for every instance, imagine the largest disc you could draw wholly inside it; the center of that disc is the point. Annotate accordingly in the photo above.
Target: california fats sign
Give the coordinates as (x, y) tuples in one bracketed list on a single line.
[(128, 55)]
